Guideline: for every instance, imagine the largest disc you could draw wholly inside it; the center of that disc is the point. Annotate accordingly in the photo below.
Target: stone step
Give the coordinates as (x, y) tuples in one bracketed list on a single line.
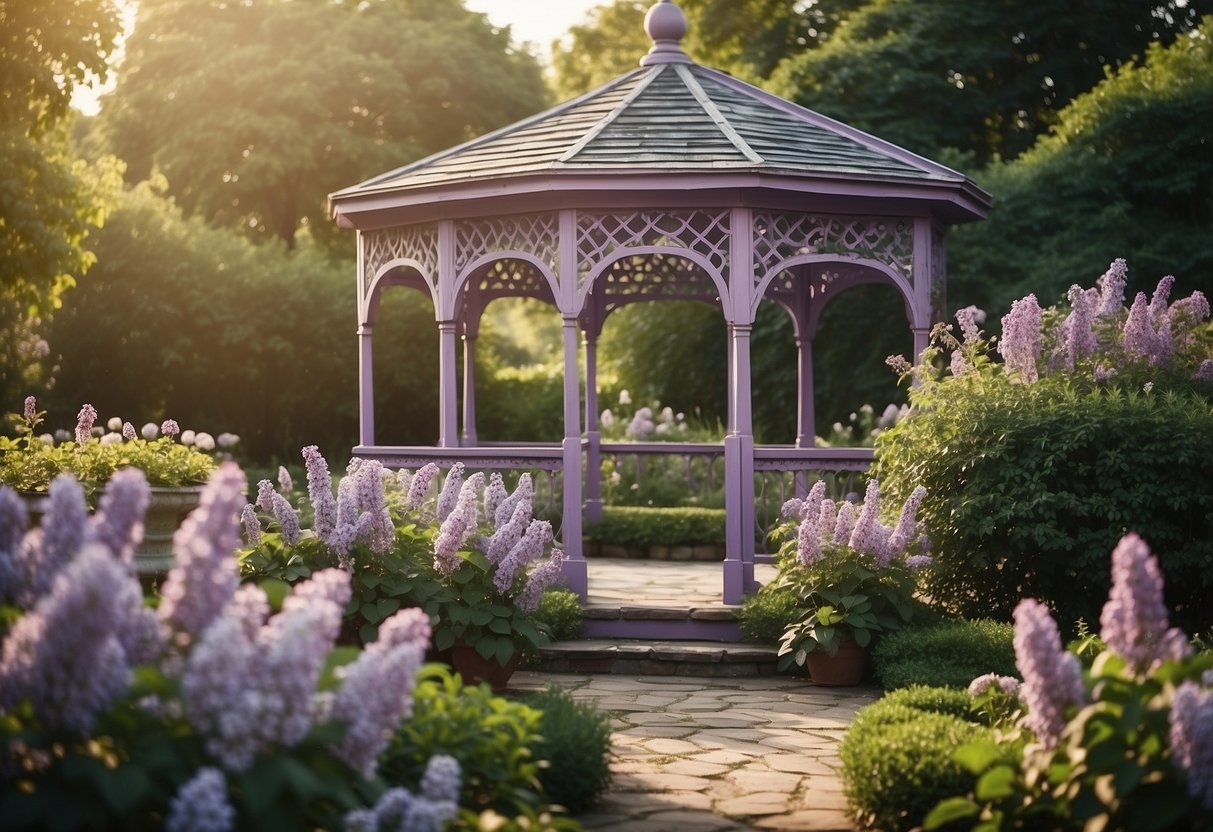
[(710, 622), (658, 658)]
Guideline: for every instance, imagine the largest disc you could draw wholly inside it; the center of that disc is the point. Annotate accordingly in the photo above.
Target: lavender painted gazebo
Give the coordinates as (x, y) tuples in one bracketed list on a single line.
[(673, 181)]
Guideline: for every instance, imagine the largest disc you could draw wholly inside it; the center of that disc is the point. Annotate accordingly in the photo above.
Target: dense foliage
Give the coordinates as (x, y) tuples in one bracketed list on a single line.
[(575, 741), (644, 526), (944, 653)]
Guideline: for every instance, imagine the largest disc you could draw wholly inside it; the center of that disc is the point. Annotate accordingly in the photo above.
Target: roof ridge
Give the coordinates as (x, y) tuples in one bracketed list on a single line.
[(713, 112), (606, 120)]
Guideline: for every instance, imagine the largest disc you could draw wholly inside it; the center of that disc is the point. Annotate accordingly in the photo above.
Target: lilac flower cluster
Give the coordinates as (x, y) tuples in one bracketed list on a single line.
[(823, 521), (1134, 620), (1007, 684), (118, 523), (1191, 733), (65, 528), (523, 492), (170, 428), (84, 424), (1021, 338), (252, 526), (494, 494), (529, 548), (399, 809), (202, 805), (1111, 287), (419, 485), (458, 526), (1052, 678), (539, 579), (808, 535), (285, 484), (450, 492), (320, 492), (377, 688), (509, 533)]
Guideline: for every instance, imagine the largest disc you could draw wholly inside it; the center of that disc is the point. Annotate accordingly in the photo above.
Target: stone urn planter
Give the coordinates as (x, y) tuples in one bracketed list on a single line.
[(166, 508), (475, 668), (843, 669)]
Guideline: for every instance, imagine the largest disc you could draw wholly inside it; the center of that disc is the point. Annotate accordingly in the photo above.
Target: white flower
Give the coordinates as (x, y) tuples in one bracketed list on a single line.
[(62, 435), (607, 418), (187, 437), (227, 440), (204, 441), (667, 414), (46, 439), (111, 439), (114, 424), (150, 431), (625, 397), (1148, 386)]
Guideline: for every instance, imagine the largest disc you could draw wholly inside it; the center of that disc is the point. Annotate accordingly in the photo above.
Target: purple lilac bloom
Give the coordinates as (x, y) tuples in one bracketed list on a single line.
[(1192, 310), (375, 521), (539, 579), (377, 689), (419, 487), (287, 517), (458, 526), (442, 780), (1205, 371), (1159, 300), (170, 428), (494, 493), (811, 507), (320, 492), (1163, 348), (202, 805), (204, 576), (1112, 289), (1020, 344), (1192, 739), (808, 541), (252, 526), (907, 524), (845, 523), (827, 518), (285, 484), (524, 491), (869, 537), (530, 547), (265, 496), (1007, 684), (14, 520), (128, 432), (66, 656), (969, 317), (218, 686), (118, 522), (899, 364), (31, 409), (791, 508), (958, 364), (1080, 337), (1134, 621), (84, 424), (1103, 373), (1052, 678), (508, 534), (1138, 337), (450, 491), (916, 562), (64, 530)]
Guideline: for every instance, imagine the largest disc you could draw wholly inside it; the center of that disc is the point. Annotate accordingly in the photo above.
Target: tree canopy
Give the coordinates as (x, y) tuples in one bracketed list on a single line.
[(254, 112)]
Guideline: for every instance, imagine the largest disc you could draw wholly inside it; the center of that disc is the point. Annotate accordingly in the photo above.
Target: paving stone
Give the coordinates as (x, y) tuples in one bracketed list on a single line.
[(653, 717), (758, 803), (659, 731), (757, 778), (692, 821), (695, 768), (721, 757), (672, 747), (807, 820), (655, 781), (798, 764)]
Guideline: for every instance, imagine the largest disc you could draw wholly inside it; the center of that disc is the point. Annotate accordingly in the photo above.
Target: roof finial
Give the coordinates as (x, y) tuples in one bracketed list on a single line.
[(666, 25)]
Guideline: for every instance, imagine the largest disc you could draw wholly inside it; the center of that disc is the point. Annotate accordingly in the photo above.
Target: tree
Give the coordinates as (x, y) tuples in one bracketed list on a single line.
[(983, 78), (1128, 171), (609, 43), (256, 111)]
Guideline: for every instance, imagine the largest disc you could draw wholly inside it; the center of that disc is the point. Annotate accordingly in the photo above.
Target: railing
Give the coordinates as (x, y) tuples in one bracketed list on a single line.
[(781, 473)]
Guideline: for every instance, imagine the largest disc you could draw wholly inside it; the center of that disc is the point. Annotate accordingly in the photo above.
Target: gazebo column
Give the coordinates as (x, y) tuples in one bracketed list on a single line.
[(593, 454), (739, 472), (448, 399), (574, 569), (805, 427), (469, 385), (922, 339), (366, 387)]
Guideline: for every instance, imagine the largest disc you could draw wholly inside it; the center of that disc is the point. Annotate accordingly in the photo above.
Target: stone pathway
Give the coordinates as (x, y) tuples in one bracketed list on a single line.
[(717, 754)]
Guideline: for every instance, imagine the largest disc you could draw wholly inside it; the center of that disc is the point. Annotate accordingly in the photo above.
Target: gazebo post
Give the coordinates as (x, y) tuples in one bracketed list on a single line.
[(739, 473), (806, 428), (574, 568), (366, 387), (448, 427), (593, 456), (469, 380)]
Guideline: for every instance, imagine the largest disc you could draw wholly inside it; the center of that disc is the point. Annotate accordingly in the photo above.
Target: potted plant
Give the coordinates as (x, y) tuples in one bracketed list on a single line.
[(852, 578), (175, 471)]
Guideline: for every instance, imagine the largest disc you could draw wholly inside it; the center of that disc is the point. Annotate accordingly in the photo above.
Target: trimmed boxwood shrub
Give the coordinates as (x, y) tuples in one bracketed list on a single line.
[(765, 616), (897, 755), (575, 746), (945, 653), (559, 615), (1031, 485), (648, 526)]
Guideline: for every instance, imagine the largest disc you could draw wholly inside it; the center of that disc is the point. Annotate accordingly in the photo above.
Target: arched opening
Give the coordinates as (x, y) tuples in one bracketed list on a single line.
[(405, 359), (520, 372)]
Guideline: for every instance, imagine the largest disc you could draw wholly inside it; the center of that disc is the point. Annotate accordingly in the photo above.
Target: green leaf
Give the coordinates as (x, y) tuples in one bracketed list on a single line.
[(501, 626), (950, 810), (995, 784), (977, 756), (444, 639)]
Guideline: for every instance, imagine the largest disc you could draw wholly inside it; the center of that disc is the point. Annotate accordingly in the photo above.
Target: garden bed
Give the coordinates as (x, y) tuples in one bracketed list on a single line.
[(657, 533)]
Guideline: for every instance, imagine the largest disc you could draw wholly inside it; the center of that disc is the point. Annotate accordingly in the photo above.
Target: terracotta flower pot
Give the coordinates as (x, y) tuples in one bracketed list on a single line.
[(843, 669), (475, 669)]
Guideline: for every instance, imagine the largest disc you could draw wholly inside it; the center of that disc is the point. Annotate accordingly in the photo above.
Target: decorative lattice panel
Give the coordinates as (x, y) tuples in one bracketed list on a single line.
[(599, 236), (536, 234), (778, 237), (416, 242), (788, 283), (513, 278)]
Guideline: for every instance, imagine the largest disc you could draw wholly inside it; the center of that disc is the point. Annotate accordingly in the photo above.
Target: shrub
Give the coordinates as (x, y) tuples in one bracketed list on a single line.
[(646, 526), (492, 738), (765, 616), (575, 741), (1031, 481), (897, 756), (559, 614), (945, 653)]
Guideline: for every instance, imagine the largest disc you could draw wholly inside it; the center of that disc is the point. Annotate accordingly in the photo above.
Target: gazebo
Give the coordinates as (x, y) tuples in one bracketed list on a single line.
[(673, 181)]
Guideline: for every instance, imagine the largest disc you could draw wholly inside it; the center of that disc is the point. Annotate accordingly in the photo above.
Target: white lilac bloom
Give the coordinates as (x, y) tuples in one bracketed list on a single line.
[(1020, 344), (606, 418), (377, 689), (84, 424), (1052, 677), (450, 491), (494, 493), (64, 531), (539, 579), (118, 522), (285, 484), (202, 805), (419, 486), (67, 656), (523, 492), (111, 439), (227, 440), (204, 576), (252, 526), (188, 437), (114, 424), (46, 438), (1112, 289), (203, 441), (1191, 733), (14, 520), (320, 492), (625, 397), (530, 547), (1134, 621), (150, 431)]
